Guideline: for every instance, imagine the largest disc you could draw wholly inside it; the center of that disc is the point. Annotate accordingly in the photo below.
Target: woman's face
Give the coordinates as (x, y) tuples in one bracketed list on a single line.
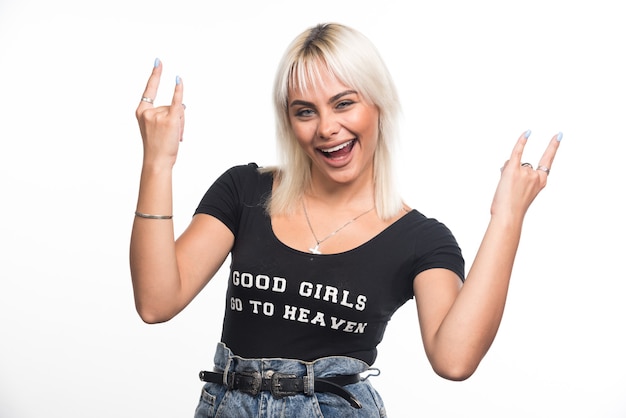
[(337, 128)]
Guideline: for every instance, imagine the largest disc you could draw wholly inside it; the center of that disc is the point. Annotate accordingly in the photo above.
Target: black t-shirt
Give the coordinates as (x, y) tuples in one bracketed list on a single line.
[(282, 302)]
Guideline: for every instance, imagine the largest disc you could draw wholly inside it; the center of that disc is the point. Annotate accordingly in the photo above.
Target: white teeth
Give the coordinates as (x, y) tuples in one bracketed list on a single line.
[(337, 148)]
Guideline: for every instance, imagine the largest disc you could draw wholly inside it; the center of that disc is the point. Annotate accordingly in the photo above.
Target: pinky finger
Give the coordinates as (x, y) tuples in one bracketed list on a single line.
[(548, 156), (177, 99)]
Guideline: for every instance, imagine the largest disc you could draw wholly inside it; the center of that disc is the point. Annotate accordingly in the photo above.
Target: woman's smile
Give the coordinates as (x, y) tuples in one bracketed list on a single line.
[(338, 152)]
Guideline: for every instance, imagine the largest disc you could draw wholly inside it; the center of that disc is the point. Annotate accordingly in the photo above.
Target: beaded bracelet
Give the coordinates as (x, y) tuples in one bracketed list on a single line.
[(147, 216)]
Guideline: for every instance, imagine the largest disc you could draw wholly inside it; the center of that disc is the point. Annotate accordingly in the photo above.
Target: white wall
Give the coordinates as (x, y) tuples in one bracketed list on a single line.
[(472, 76)]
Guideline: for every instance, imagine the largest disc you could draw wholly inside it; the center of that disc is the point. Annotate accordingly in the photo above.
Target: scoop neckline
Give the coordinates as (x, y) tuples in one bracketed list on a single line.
[(359, 247)]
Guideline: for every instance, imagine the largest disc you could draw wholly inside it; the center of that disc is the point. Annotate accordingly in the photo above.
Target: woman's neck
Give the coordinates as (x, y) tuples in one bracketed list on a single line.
[(359, 193)]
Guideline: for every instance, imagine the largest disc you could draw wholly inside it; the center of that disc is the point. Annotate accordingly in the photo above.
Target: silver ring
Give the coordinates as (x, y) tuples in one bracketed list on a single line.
[(527, 165), (147, 99), (544, 169)]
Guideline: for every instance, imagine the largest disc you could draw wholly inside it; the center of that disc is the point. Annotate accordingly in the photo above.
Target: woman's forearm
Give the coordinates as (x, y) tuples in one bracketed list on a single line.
[(154, 269)]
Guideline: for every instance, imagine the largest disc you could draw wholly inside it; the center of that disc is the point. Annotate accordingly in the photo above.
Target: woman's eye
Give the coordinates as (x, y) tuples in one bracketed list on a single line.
[(344, 103), (304, 112)]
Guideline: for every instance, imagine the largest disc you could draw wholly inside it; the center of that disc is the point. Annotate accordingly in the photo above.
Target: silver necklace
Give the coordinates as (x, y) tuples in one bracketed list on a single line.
[(318, 242)]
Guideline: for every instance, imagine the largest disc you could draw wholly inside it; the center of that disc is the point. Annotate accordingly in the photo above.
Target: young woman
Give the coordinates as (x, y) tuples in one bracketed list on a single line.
[(323, 249)]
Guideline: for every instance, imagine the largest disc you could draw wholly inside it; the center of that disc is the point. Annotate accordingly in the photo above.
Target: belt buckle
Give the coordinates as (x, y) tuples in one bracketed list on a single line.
[(276, 387), (253, 382)]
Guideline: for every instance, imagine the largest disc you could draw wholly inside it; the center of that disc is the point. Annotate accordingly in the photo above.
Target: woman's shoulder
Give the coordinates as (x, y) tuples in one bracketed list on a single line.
[(249, 180), (415, 222), (243, 169), (246, 172)]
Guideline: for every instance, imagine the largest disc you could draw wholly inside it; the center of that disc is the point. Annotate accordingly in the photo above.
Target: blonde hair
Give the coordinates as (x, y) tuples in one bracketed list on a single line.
[(353, 60)]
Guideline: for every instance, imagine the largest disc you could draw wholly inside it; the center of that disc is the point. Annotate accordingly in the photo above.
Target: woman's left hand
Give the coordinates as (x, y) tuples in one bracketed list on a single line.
[(520, 182)]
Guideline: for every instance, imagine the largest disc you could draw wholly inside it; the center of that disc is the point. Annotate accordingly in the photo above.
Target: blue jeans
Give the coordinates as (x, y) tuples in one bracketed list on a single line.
[(216, 401)]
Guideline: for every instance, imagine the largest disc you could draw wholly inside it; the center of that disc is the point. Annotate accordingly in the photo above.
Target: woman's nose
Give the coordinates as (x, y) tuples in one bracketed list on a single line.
[(328, 126)]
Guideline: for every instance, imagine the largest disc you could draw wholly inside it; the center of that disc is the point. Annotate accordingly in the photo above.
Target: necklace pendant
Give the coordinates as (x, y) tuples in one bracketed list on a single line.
[(316, 249)]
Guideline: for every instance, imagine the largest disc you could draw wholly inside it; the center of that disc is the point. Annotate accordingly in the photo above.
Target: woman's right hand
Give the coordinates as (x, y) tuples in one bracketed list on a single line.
[(161, 127)]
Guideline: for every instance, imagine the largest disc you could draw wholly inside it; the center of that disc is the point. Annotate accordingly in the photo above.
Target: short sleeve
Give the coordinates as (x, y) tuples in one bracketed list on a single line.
[(443, 251), (225, 197)]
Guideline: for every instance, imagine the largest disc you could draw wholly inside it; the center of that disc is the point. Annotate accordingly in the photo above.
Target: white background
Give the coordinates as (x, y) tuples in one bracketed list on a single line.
[(472, 77)]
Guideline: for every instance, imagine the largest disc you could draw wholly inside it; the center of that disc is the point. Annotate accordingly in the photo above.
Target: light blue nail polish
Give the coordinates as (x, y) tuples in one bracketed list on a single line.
[(527, 134), (156, 62), (177, 80), (559, 136)]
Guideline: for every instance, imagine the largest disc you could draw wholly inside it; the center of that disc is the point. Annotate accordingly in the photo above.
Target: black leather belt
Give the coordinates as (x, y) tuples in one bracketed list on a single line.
[(281, 385)]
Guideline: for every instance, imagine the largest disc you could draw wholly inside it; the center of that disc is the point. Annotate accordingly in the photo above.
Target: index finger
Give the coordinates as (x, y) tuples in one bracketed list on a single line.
[(518, 150), (153, 82), (548, 156)]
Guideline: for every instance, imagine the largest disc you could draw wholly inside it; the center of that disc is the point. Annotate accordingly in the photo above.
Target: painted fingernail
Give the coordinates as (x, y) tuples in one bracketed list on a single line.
[(156, 62), (559, 136), (177, 80), (527, 134)]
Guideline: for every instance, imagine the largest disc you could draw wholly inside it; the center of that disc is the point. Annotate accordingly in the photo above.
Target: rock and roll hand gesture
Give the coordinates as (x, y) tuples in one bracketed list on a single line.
[(520, 183), (161, 127)]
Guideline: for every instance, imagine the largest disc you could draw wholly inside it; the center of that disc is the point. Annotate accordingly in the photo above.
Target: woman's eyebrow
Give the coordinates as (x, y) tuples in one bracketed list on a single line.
[(331, 100), (340, 95), (301, 103)]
